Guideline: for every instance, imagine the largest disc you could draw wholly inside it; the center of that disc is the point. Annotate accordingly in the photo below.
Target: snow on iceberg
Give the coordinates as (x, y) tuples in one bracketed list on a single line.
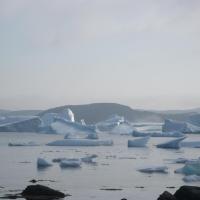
[(154, 169), (191, 178), (172, 144), (71, 162), (42, 163), (81, 142), (139, 142), (62, 126), (190, 168), (19, 144), (184, 127), (89, 159), (158, 134)]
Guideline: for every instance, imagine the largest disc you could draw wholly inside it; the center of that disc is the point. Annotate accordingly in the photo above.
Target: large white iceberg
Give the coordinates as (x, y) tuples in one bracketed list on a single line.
[(190, 168), (158, 134), (154, 169), (81, 142), (139, 142), (184, 127), (172, 144), (42, 163), (73, 162)]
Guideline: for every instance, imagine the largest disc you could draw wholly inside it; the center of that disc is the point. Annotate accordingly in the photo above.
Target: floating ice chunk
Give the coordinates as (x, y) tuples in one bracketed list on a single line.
[(184, 127), (191, 178), (92, 136), (81, 142), (42, 163), (13, 144), (89, 159), (190, 168), (141, 142), (154, 169), (173, 144), (73, 162), (183, 160), (158, 134)]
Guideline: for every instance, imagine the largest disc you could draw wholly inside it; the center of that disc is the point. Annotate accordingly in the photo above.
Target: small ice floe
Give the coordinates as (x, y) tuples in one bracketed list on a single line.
[(140, 142), (42, 163), (92, 136), (20, 144), (71, 163), (190, 168), (89, 159), (81, 142), (158, 134), (191, 178), (172, 144), (182, 160), (154, 169)]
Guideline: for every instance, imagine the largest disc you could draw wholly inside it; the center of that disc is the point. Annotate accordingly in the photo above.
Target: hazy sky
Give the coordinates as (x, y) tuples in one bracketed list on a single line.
[(143, 53)]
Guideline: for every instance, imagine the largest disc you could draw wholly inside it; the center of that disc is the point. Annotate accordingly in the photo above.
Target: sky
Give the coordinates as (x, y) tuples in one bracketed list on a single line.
[(141, 53)]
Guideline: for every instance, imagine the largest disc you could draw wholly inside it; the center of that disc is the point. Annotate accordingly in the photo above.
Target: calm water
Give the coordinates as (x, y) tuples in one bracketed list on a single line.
[(116, 167)]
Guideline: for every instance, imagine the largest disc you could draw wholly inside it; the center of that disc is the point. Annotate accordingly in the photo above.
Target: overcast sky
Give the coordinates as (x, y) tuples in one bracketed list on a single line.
[(142, 53)]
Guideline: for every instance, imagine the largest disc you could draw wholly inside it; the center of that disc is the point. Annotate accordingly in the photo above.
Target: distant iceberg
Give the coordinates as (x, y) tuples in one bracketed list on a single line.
[(154, 169), (81, 142), (92, 136), (140, 142), (71, 163), (173, 144), (122, 129), (184, 127), (42, 163), (158, 134)]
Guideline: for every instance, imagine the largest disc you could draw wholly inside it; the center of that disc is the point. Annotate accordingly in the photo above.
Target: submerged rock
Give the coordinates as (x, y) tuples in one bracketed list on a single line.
[(41, 192)]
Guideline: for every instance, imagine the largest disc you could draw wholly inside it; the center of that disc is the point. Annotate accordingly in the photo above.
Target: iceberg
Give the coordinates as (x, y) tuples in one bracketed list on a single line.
[(42, 163), (122, 129), (83, 122), (190, 168), (154, 169), (173, 144), (89, 159), (58, 160), (191, 178), (62, 126), (184, 127), (67, 114), (110, 123), (158, 134), (73, 162), (141, 142), (92, 136), (81, 142), (47, 119), (12, 144)]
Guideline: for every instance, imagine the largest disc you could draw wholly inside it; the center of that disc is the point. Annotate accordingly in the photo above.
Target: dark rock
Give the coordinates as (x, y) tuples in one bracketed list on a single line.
[(124, 199), (41, 192), (33, 181), (188, 193), (166, 196)]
